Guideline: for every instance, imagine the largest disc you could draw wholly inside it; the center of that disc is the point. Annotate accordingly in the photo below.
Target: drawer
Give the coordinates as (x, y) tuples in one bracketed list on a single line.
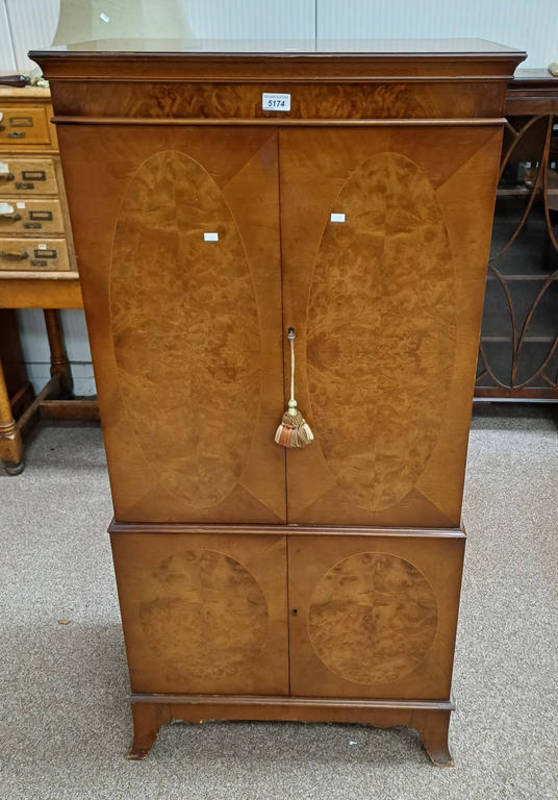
[(26, 176), (31, 216), (24, 125), (33, 254)]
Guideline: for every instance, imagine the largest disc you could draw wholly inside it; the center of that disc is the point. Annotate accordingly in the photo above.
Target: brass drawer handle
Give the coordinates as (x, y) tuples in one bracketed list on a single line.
[(6, 176), (16, 135), (10, 216), (13, 255)]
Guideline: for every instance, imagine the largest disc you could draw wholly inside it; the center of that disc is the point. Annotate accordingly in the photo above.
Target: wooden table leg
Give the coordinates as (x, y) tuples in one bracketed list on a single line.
[(59, 364), (11, 446)]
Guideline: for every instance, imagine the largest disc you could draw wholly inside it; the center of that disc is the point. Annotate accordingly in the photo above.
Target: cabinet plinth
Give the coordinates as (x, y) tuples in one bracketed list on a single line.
[(256, 582)]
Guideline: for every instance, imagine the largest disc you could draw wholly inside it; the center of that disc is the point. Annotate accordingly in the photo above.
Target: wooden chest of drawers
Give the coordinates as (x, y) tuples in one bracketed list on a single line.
[(257, 582), (35, 234)]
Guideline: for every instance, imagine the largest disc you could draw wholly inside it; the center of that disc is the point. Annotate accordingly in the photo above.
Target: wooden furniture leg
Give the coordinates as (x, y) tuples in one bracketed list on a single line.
[(54, 401), (11, 446), (433, 729), (148, 718), (432, 724), (59, 364)]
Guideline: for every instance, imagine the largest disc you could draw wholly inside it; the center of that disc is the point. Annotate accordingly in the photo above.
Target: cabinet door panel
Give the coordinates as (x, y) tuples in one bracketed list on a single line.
[(387, 307), (178, 246), (204, 613), (375, 615)]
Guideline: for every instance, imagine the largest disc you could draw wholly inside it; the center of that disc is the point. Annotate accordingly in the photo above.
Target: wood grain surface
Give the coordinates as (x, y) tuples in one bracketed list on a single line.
[(373, 617), (40, 290), (386, 306), (32, 216), (431, 722), (34, 254), (204, 613), (189, 363), (24, 125), (28, 176), (379, 279), (229, 609), (207, 355), (340, 100)]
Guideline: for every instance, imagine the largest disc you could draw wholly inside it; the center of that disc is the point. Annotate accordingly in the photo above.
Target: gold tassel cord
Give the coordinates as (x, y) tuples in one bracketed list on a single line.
[(293, 430)]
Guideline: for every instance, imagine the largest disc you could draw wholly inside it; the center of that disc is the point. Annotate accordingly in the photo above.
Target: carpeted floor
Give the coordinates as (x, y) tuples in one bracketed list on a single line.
[(64, 719)]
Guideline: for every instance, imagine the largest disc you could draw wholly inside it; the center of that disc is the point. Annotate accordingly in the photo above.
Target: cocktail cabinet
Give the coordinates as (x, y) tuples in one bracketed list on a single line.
[(219, 200)]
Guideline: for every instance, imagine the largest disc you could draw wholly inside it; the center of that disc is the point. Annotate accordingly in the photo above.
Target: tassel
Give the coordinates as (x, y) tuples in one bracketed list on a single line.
[(293, 431)]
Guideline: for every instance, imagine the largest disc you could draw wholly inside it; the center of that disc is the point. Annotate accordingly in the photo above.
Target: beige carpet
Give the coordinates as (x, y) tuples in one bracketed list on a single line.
[(64, 719)]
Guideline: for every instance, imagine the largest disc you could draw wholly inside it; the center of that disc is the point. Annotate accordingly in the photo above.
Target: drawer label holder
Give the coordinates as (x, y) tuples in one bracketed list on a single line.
[(33, 175), (45, 252)]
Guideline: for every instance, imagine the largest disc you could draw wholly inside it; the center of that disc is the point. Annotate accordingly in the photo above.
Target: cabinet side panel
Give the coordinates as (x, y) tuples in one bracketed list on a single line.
[(176, 232)]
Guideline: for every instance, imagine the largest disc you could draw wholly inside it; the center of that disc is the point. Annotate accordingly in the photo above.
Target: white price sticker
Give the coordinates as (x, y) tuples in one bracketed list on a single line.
[(337, 217), (43, 247), (20, 205), (4, 169), (276, 102), (211, 237), (6, 208)]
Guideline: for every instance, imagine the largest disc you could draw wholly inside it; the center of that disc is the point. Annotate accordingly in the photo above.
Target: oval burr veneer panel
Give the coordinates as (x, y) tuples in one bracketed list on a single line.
[(379, 361), (185, 328)]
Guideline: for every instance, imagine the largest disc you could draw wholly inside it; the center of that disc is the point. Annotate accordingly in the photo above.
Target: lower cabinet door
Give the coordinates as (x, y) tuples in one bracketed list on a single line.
[(373, 616), (204, 613)]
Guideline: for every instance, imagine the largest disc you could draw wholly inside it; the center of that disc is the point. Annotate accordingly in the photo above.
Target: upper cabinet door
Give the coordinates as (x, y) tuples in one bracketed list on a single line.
[(177, 236), (385, 237)]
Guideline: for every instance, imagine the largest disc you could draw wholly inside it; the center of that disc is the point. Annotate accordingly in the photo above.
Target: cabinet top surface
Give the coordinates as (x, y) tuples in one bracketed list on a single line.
[(320, 60), (24, 92), (286, 47)]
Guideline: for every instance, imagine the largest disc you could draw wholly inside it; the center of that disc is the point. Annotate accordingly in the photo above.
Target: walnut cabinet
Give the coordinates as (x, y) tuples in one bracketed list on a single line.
[(258, 582)]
